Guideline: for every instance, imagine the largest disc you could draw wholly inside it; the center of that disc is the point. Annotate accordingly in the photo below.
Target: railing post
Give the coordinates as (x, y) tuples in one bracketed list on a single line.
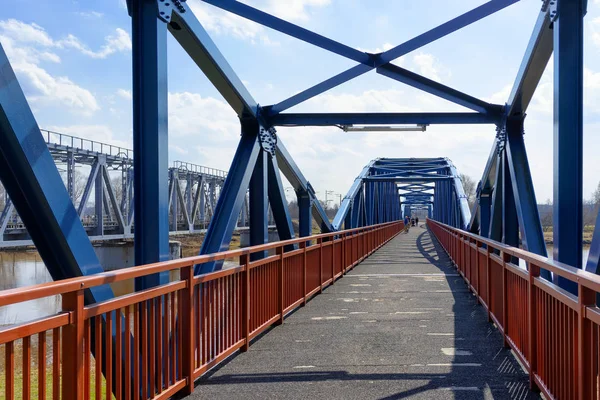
[(585, 377), (320, 243), (504, 300), (477, 243), (72, 346), (534, 272), (280, 302), (332, 260), (187, 327), (303, 247), (245, 261), (487, 284)]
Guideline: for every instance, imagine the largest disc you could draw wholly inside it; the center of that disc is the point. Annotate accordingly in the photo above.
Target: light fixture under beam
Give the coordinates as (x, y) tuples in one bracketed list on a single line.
[(379, 128)]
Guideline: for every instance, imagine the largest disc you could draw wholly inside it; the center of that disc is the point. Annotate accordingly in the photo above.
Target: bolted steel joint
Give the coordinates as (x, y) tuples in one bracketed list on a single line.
[(268, 140), (501, 137), (165, 8)]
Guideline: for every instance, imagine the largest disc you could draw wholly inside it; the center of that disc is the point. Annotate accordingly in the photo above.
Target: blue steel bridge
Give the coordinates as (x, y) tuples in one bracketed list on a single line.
[(401, 323)]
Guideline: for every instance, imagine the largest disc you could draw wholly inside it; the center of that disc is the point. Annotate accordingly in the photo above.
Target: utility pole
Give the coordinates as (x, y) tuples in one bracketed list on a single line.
[(326, 193)]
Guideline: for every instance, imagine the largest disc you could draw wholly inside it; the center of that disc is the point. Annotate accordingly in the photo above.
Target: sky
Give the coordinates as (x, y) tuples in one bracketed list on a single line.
[(73, 60)]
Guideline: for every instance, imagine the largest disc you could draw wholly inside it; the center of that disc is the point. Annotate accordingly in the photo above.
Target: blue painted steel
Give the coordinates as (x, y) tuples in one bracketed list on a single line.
[(398, 51), (304, 213), (150, 140), (231, 199), (568, 136), (593, 261), (495, 232), (292, 173), (530, 226), (347, 202), (510, 222), (437, 89), (279, 205), (259, 205), (288, 28), (532, 67), (330, 119), (37, 191), (194, 39), (484, 214), (319, 88)]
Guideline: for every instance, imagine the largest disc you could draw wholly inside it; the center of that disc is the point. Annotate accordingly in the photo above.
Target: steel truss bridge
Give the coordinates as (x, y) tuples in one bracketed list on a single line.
[(544, 309), (105, 173)]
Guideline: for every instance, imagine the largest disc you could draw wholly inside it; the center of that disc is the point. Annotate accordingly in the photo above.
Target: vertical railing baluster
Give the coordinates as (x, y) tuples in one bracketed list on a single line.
[(585, 380), (534, 272), (245, 261), (72, 346), (280, 301), (187, 325)]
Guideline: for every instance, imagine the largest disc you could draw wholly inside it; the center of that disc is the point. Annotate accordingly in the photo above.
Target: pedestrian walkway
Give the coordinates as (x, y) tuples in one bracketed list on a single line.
[(402, 324)]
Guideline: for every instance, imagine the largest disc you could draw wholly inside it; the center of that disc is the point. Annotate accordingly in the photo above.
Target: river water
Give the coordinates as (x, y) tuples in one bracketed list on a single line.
[(25, 268)]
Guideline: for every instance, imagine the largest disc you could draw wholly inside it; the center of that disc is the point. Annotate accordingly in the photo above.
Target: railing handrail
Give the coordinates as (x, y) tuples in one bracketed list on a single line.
[(26, 293), (569, 272)]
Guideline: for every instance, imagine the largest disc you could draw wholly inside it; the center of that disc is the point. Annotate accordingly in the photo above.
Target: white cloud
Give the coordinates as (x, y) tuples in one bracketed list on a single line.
[(126, 94), (119, 42), (46, 89), (29, 45), (35, 35), (90, 14), (428, 66), (595, 24), (205, 119), (26, 33), (294, 10), (222, 22)]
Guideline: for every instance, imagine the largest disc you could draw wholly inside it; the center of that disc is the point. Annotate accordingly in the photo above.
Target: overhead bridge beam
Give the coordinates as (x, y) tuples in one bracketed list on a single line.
[(332, 119)]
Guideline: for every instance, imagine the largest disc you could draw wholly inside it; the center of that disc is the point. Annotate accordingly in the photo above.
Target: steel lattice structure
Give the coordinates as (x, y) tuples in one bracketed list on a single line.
[(506, 207), (106, 171)]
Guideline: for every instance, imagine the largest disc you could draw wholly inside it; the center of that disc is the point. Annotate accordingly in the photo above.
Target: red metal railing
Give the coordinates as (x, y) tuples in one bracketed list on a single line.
[(554, 334), (157, 342)]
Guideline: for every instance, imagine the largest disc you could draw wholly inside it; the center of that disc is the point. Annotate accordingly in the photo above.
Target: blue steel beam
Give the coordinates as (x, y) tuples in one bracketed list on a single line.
[(231, 199), (36, 189), (259, 205), (150, 140), (347, 202), (384, 58), (568, 136), (332, 119), (532, 67), (279, 204), (291, 171), (437, 89), (194, 39), (278, 24), (530, 226)]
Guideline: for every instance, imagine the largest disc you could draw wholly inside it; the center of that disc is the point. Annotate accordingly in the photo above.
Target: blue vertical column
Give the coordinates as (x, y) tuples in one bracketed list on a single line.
[(510, 222), (150, 141), (484, 214), (304, 214), (369, 197), (568, 135), (259, 205)]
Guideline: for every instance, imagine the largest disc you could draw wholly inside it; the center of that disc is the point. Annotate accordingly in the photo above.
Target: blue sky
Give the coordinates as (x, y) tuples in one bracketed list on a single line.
[(73, 59)]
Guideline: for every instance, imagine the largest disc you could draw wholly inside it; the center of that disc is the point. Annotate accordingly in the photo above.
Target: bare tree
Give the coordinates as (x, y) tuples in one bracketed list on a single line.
[(470, 188), (547, 215), (2, 197)]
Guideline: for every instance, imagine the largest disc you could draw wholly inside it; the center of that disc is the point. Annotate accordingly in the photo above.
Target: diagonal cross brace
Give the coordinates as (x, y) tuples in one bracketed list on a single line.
[(35, 186)]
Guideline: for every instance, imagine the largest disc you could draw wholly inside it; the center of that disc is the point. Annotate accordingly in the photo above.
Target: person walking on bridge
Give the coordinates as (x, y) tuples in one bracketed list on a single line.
[(406, 223)]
